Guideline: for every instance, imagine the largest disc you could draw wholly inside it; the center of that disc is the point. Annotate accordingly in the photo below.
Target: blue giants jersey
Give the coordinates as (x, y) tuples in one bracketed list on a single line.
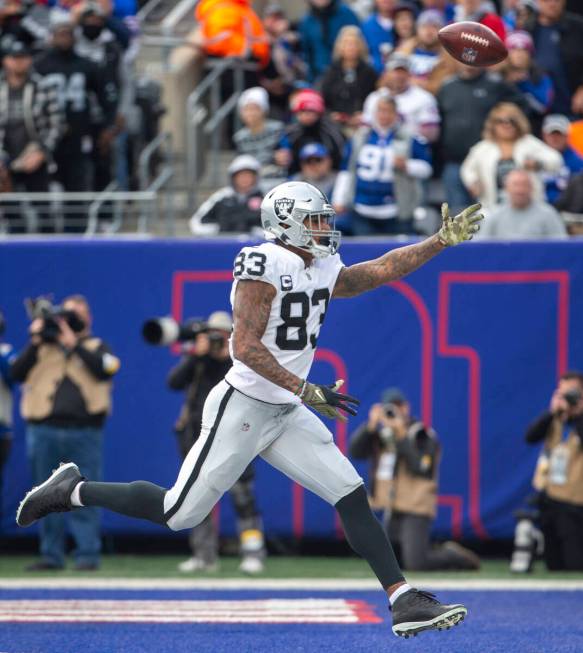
[(374, 193)]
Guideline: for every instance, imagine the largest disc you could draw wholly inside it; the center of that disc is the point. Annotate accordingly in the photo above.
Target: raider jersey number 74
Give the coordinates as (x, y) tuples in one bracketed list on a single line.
[(297, 313)]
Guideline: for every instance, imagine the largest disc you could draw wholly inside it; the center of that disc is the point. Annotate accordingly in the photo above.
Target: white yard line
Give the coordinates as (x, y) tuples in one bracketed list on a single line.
[(303, 584)]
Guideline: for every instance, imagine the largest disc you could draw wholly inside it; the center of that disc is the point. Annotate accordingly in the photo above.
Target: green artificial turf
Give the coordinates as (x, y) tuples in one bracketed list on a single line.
[(165, 566)]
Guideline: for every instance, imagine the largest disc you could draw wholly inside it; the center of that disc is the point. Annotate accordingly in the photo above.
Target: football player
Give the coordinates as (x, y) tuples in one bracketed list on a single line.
[(280, 296)]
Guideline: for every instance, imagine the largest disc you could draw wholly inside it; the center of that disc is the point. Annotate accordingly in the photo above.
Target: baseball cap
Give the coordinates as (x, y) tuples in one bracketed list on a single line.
[(393, 395), (556, 122), (398, 60), (60, 19), (244, 162), (220, 320), (308, 100), (17, 49), (405, 6), (520, 40), (273, 9), (431, 17), (313, 150)]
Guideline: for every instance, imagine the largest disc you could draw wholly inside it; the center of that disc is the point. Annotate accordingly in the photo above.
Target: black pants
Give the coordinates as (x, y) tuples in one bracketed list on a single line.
[(410, 534), (74, 173), (5, 446), (33, 182), (562, 527)]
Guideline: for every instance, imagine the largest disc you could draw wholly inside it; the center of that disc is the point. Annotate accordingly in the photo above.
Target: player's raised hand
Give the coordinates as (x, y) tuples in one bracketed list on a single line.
[(462, 227), (327, 401)]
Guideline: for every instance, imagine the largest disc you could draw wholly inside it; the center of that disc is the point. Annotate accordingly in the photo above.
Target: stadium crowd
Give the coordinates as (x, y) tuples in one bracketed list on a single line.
[(362, 100), (73, 111)]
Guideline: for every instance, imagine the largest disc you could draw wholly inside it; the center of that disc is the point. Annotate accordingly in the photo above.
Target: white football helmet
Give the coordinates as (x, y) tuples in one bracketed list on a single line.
[(284, 210)]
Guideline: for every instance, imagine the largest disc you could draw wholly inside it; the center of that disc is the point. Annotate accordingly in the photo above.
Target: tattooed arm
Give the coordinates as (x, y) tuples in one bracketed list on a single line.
[(402, 261), (393, 265), (250, 315)]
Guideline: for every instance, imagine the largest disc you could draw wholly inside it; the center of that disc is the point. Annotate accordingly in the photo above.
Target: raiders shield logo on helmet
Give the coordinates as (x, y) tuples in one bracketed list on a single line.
[(283, 207)]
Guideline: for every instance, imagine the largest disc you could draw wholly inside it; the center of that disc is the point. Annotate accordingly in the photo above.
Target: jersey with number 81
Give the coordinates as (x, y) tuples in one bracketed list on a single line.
[(297, 314)]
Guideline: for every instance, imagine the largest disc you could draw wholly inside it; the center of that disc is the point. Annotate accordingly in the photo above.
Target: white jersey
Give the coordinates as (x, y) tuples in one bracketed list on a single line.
[(297, 313)]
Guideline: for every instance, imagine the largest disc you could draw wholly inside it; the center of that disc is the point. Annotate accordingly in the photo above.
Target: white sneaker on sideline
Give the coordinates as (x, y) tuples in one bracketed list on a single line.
[(251, 565), (195, 564)]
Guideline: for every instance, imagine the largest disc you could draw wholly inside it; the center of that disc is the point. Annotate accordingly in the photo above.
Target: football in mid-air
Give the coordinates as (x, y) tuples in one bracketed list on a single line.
[(473, 44)]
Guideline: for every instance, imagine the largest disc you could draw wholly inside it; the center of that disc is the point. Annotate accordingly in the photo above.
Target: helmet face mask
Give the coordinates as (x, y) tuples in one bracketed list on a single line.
[(300, 215)]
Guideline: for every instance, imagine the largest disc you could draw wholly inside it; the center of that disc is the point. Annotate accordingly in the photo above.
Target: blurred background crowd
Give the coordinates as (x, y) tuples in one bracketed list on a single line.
[(358, 98)]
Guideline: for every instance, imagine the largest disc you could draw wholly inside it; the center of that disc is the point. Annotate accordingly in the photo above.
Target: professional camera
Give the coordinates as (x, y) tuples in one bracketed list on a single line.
[(43, 308), (167, 331), (391, 410), (572, 397)]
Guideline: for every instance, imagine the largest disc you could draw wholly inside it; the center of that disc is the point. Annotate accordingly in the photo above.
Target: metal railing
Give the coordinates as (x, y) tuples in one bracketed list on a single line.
[(108, 211), (205, 115)]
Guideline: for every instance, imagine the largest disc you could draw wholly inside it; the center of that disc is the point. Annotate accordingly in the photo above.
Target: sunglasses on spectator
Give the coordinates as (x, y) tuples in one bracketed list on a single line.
[(313, 159), (505, 121)]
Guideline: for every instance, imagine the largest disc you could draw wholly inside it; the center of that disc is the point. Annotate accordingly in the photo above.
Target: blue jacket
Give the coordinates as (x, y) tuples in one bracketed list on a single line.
[(318, 33), (374, 192), (539, 95), (376, 36), (555, 183)]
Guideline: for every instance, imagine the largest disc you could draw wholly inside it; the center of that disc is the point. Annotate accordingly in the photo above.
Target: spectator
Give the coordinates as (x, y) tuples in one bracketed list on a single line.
[(556, 135), (319, 29), (31, 123), (349, 80), (23, 22), (521, 70), (6, 354), (509, 13), (445, 8), (79, 82), (230, 28), (260, 136), (559, 474), (404, 16), (570, 204), (430, 64), (507, 144), (379, 182), (316, 168), (234, 208), (557, 36), (311, 126), (405, 456), (480, 11), (98, 44), (521, 216), (378, 32), (286, 66), (67, 376), (417, 107), (464, 103), (205, 362)]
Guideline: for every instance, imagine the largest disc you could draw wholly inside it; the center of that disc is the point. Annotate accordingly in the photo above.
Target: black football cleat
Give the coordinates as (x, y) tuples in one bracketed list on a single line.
[(416, 611), (54, 495)]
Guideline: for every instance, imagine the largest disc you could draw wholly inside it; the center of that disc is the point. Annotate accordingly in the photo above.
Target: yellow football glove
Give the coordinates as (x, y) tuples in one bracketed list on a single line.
[(456, 230), (327, 401)]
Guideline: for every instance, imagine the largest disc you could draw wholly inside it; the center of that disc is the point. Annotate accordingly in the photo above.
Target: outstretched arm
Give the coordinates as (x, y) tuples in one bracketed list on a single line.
[(400, 262), (250, 315)]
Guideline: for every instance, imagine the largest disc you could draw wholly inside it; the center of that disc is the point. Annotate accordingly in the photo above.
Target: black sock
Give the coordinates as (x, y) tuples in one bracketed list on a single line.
[(138, 499), (367, 537)]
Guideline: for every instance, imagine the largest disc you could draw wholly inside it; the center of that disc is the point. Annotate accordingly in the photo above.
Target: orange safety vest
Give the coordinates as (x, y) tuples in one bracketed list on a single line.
[(576, 136), (230, 28)]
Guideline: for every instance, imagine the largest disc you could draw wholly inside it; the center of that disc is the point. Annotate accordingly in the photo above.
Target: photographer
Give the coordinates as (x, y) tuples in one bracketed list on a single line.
[(205, 363), (559, 474), (6, 354), (66, 398), (405, 455)]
